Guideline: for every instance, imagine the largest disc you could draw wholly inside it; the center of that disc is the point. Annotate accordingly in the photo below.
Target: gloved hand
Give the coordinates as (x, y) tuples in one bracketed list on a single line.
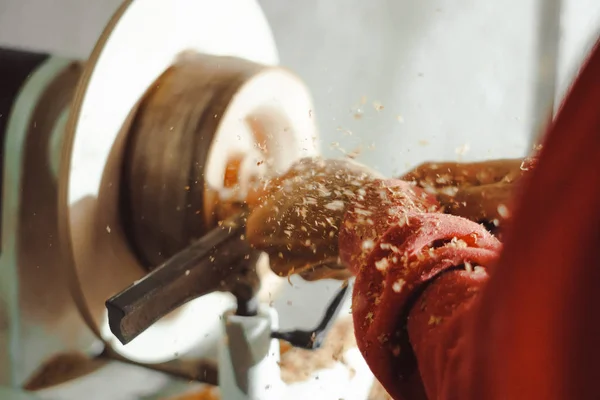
[(479, 191), (295, 218)]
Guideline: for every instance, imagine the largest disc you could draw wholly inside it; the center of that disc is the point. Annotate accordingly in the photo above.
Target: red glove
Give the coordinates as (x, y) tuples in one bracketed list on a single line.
[(413, 250), (379, 205)]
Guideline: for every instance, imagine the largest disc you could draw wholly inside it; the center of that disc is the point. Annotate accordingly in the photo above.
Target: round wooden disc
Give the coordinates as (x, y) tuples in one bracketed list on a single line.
[(140, 43), (203, 131)]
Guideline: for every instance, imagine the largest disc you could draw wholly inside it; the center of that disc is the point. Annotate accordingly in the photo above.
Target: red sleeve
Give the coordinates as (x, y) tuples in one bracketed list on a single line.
[(425, 324), (418, 277)]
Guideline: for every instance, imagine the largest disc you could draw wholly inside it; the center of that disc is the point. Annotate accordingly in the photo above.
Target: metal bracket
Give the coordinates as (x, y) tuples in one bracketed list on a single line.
[(313, 339)]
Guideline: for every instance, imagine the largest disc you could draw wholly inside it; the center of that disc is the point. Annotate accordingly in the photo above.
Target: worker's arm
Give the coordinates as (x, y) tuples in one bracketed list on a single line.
[(296, 217), (530, 330), (415, 282), (479, 191)]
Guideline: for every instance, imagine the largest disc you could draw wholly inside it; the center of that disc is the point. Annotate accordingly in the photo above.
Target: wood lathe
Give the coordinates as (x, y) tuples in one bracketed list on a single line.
[(128, 168)]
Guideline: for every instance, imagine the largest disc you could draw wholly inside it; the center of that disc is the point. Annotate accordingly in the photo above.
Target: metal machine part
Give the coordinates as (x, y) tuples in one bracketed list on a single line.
[(38, 317), (314, 339), (11, 394), (249, 349), (219, 261), (74, 139), (249, 357)]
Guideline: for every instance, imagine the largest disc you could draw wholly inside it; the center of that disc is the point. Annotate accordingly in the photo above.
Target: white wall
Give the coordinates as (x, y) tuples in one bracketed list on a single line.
[(458, 73)]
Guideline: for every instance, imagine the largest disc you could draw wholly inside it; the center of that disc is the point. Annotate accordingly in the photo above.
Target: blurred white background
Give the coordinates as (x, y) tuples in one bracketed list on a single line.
[(454, 78)]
